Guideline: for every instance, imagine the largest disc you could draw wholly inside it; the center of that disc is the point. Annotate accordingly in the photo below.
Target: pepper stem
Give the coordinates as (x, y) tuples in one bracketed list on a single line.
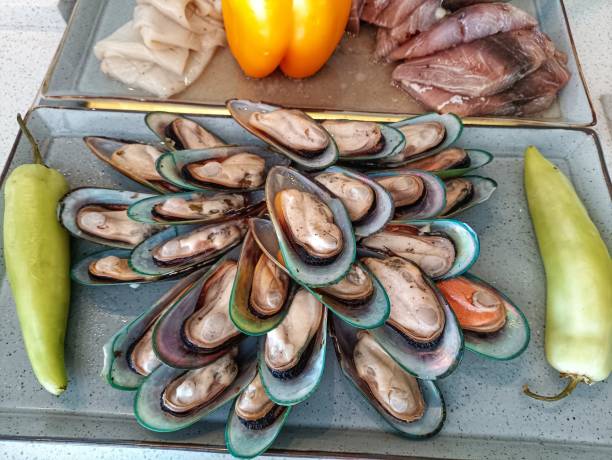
[(38, 159), (573, 382)]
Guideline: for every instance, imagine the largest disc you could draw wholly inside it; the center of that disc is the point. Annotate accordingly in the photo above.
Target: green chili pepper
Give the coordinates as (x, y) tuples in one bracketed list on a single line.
[(578, 267), (37, 256)]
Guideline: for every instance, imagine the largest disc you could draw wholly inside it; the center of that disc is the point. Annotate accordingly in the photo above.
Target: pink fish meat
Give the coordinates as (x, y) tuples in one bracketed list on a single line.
[(388, 13)]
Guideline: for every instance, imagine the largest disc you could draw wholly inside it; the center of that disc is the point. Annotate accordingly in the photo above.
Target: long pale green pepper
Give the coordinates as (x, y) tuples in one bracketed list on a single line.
[(578, 340)]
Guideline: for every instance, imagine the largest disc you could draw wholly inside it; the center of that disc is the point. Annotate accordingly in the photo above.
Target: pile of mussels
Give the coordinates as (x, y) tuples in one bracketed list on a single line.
[(265, 250)]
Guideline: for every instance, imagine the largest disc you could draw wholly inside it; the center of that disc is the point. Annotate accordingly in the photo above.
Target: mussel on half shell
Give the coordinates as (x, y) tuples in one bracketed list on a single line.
[(108, 267), (255, 409), (463, 193), (181, 133)]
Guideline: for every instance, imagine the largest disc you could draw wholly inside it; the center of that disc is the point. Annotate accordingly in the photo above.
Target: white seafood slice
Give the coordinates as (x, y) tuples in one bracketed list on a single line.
[(191, 14), (160, 32)]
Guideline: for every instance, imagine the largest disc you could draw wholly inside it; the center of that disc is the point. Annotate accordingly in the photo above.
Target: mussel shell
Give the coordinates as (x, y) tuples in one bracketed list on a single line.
[(142, 261), (147, 403), (367, 315), (117, 370), (170, 165), (426, 362), (452, 124), (344, 338), (507, 343), (478, 159), (80, 271), (281, 178), (394, 142), (143, 211), (74, 200), (297, 388), (383, 208), (243, 442), (483, 190), (168, 340), (158, 122), (241, 110), (241, 313), (464, 238), (430, 205), (103, 148)]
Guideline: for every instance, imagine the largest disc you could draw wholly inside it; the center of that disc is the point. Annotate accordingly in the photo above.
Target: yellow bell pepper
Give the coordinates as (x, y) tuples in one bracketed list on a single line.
[(298, 35)]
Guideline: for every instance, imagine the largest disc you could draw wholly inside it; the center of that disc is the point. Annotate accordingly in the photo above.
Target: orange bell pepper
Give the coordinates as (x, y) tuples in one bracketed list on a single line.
[(298, 35)]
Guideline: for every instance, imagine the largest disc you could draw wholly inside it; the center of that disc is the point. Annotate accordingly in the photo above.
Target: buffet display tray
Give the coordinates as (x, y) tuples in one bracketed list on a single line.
[(487, 414), (351, 82)]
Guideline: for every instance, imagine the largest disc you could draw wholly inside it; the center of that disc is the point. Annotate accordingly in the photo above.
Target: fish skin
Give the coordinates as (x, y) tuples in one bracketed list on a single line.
[(532, 94), (464, 26), (483, 67), (388, 13)]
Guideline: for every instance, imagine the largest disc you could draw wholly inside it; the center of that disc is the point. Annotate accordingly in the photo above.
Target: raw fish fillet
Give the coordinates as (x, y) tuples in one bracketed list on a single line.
[(126, 43), (483, 67), (355, 16), (191, 14), (419, 20), (388, 13), (154, 79), (456, 4), (464, 26), (532, 94)]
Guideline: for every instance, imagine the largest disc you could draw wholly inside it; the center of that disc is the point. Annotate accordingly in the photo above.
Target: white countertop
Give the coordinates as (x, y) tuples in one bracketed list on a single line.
[(30, 31)]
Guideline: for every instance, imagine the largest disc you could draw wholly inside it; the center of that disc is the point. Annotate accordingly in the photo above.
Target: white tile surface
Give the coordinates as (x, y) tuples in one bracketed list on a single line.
[(29, 33)]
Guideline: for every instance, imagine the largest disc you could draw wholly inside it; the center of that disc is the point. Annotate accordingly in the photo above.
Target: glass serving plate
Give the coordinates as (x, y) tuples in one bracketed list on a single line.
[(487, 414), (351, 82)]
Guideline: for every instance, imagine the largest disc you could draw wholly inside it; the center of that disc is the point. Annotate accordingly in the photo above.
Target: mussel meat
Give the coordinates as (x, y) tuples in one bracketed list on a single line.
[(289, 345), (355, 288), (478, 308), (269, 289), (310, 226), (446, 159), (405, 189), (419, 138), (255, 409), (113, 268), (396, 390), (458, 192), (204, 240), (142, 358), (293, 129), (111, 222), (356, 196), (187, 134), (242, 170), (137, 159), (434, 253), (210, 327), (193, 389), (355, 138), (200, 207), (415, 310)]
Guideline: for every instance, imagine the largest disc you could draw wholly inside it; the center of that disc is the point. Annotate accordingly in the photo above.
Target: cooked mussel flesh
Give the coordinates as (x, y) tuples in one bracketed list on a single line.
[(355, 288), (405, 189), (269, 289), (458, 192), (111, 222), (415, 310), (113, 268), (446, 159), (289, 345), (199, 207), (203, 240), (477, 307), (293, 129), (210, 327), (310, 226), (187, 134), (355, 138), (195, 388), (434, 253), (396, 390), (142, 358), (242, 170), (137, 159), (255, 409), (356, 196), (419, 138)]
